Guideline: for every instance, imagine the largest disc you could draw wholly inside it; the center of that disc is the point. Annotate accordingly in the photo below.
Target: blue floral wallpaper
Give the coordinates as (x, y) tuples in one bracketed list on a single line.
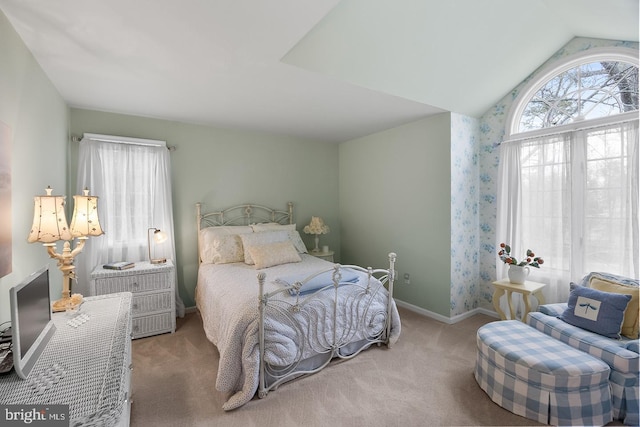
[(464, 214), (491, 131)]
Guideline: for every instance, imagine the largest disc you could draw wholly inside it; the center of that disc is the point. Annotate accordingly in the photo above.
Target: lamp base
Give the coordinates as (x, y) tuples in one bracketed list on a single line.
[(158, 261), (67, 303)]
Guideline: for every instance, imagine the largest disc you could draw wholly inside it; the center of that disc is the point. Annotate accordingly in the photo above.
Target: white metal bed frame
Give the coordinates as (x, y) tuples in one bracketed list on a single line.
[(246, 214), (374, 325)]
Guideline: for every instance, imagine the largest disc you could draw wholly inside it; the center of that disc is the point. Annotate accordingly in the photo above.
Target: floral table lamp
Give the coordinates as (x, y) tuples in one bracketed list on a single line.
[(317, 227)]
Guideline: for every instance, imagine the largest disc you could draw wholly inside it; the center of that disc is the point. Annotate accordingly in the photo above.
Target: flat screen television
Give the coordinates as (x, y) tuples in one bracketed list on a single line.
[(31, 324)]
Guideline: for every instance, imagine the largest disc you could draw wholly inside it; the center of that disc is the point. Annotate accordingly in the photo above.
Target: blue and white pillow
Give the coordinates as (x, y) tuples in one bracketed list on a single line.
[(596, 311)]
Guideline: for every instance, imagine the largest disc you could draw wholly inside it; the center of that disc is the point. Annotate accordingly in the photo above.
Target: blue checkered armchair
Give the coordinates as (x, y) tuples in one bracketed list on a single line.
[(622, 355)]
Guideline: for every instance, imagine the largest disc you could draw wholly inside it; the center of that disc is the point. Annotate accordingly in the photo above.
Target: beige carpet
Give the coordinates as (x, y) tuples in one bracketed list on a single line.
[(425, 379)]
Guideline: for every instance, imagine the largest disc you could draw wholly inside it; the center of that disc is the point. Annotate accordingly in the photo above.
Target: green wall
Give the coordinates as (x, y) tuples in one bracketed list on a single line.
[(222, 168), (37, 119), (395, 196)]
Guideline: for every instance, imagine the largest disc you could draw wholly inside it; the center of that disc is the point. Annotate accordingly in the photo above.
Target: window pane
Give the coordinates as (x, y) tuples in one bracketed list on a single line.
[(607, 200), (589, 91), (597, 194)]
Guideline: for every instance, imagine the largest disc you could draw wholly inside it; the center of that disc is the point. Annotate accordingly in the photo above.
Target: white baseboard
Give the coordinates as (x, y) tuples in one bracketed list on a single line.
[(444, 319), (422, 311)]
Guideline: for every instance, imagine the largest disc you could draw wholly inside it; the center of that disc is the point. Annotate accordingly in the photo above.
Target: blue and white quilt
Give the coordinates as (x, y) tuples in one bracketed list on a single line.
[(227, 298)]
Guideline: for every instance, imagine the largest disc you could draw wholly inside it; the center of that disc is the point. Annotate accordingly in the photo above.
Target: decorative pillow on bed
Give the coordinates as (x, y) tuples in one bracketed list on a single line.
[(227, 249), (631, 314), (294, 235), (261, 238), (596, 311), (295, 238), (271, 254), (272, 226), (211, 248)]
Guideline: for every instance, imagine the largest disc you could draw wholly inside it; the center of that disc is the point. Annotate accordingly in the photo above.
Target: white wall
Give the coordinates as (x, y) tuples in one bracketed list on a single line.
[(37, 118)]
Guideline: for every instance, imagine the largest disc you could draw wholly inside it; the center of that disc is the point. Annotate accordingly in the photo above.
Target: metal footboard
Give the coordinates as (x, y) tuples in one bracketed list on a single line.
[(337, 321)]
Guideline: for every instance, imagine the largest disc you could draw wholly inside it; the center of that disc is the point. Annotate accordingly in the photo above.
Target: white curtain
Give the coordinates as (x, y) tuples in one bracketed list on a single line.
[(132, 180), (572, 198)]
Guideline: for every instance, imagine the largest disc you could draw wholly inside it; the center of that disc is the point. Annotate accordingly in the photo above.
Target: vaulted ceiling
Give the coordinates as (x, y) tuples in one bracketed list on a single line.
[(324, 69)]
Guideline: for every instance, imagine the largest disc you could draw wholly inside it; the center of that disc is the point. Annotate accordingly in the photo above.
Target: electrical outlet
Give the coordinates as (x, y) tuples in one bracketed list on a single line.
[(407, 279)]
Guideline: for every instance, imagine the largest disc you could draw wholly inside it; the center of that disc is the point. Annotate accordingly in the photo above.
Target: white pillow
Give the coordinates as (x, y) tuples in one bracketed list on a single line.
[(261, 238), (209, 235), (227, 248), (295, 238), (272, 226), (294, 235), (272, 254)]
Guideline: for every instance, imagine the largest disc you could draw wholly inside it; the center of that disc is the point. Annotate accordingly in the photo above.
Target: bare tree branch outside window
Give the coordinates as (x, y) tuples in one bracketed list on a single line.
[(597, 89)]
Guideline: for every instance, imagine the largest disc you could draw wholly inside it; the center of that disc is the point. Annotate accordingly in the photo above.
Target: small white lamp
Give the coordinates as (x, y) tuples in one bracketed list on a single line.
[(317, 227), (158, 237)]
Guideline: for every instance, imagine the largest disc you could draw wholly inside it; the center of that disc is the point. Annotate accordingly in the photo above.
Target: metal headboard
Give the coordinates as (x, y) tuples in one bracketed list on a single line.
[(246, 214)]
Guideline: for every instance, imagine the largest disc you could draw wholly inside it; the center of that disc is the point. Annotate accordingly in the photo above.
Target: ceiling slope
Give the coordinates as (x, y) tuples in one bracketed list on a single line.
[(458, 55), (322, 69)]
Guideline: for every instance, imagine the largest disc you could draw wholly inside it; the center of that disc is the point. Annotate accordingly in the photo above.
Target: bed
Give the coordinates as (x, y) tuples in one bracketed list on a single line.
[(276, 313)]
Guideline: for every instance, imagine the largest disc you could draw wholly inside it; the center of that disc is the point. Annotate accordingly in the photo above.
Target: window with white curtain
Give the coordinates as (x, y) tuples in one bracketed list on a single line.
[(132, 178), (568, 179)]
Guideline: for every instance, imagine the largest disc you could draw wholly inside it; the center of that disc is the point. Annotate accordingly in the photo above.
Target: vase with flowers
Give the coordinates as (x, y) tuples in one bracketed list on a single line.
[(518, 270), (317, 227)]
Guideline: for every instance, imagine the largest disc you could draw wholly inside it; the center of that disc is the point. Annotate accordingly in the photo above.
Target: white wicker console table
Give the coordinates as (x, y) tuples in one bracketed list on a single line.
[(86, 365)]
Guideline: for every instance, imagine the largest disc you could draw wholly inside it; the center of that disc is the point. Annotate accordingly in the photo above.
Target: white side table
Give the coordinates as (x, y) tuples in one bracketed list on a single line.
[(153, 287), (327, 256), (527, 289)]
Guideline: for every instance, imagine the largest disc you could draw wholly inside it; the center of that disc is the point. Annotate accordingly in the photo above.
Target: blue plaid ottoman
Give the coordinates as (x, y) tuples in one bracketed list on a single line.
[(540, 378)]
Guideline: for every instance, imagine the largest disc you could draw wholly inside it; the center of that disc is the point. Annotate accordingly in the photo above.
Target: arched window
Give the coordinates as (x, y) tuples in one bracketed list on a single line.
[(599, 84), (568, 180)]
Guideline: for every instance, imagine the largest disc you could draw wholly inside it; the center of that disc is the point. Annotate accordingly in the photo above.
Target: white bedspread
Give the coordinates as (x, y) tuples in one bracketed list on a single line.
[(227, 298)]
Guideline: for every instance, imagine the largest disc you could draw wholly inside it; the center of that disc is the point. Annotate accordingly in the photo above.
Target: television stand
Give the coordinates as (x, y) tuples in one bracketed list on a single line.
[(86, 365)]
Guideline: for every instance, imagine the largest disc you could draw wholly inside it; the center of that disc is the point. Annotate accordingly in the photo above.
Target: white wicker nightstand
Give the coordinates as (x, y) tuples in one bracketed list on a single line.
[(153, 287)]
